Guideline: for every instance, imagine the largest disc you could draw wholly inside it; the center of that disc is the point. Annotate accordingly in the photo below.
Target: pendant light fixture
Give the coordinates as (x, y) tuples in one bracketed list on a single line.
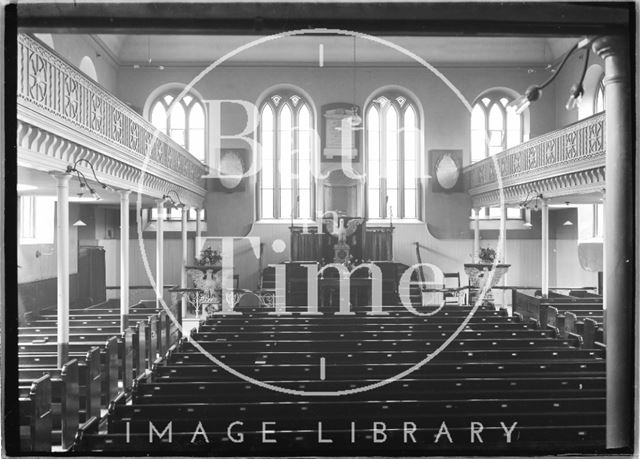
[(355, 118)]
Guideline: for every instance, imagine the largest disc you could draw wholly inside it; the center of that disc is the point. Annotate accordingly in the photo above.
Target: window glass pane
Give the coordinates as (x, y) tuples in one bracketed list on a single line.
[(514, 212), (177, 124), (159, 117), (285, 149), (599, 229), (599, 99), (514, 125), (373, 147), (186, 100), (285, 202), (175, 214), (409, 203), (304, 147), (494, 212), (410, 134), (392, 203), (305, 203), (196, 116), (266, 210), (391, 147), (266, 144), (168, 99), (477, 134), (27, 214), (496, 128), (373, 198)]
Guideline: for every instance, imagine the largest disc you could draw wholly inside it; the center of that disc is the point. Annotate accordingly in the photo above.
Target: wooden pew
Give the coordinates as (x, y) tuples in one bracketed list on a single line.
[(36, 417)]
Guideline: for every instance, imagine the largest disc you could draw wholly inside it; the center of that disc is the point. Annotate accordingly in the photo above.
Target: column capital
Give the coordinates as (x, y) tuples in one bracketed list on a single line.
[(61, 176), (124, 193), (608, 45)]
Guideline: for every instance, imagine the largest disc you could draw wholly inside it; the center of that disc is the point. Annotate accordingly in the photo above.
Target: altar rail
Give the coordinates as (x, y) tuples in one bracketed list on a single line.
[(571, 157), (63, 116)]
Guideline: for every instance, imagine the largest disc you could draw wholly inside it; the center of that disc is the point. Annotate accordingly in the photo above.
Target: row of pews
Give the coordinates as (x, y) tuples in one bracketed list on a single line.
[(502, 384), (103, 363), (579, 314)]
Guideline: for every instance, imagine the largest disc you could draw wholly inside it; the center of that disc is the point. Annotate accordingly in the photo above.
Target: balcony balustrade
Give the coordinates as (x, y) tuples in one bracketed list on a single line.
[(63, 115), (564, 161)]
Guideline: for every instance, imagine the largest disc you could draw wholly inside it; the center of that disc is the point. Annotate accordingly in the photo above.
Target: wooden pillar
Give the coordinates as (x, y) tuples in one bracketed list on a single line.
[(476, 234), (619, 258), (183, 272), (124, 259), (160, 252), (62, 258), (545, 247)]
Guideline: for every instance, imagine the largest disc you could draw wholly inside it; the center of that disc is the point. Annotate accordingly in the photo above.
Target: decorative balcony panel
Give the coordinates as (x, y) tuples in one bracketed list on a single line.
[(566, 161), (63, 115)]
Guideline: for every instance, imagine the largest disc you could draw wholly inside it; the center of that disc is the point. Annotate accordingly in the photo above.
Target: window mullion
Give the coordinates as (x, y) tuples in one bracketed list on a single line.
[(276, 169), (401, 184), (383, 162)]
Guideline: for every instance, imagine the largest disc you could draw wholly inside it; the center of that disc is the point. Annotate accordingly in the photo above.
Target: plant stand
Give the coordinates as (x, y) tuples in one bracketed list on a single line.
[(479, 274)]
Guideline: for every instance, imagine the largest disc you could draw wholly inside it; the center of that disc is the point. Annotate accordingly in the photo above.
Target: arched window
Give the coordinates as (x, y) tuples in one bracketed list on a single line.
[(493, 127), (286, 138), (598, 100), (392, 139), (184, 124)]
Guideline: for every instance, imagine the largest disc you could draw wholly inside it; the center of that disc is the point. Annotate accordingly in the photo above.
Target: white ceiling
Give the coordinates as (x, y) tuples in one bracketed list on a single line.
[(200, 50)]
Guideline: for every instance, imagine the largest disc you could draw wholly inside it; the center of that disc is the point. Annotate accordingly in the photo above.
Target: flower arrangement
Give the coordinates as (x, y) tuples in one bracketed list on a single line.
[(209, 257), (487, 255)]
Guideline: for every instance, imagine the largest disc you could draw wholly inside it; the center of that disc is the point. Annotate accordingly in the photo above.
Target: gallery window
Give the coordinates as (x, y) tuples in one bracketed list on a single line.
[(392, 127), (598, 100), (37, 219), (286, 139), (493, 127), (183, 121)]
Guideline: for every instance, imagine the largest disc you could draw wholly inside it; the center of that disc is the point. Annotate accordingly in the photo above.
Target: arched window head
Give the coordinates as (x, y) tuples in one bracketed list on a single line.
[(392, 142), (494, 128), (89, 69), (183, 121), (285, 135), (598, 101)]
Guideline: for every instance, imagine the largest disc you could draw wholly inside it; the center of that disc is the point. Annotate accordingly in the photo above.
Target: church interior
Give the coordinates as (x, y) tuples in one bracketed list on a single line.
[(293, 233)]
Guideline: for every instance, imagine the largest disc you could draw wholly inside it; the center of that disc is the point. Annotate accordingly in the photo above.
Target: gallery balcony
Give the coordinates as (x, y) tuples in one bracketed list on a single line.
[(563, 162), (65, 116)]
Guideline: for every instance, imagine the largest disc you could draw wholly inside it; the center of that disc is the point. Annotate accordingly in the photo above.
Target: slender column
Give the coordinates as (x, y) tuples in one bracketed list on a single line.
[(124, 259), (619, 259), (545, 248), (183, 272), (62, 255), (476, 234), (160, 252), (198, 229), (503, 247)]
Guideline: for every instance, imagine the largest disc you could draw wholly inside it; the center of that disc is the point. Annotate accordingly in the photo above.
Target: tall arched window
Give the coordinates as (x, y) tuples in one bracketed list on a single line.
[(493, 127), (184, 124), (598, 101), (286, 138), (393, 152)]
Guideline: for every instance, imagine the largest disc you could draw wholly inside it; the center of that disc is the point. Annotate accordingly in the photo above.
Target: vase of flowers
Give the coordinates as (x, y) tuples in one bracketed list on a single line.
[(209, 257), (487, 255)]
